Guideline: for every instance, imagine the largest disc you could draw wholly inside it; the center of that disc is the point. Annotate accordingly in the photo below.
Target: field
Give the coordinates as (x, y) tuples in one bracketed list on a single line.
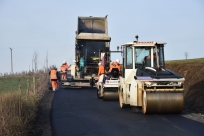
[(193, 72), (19, 100), (13, 83), (197, 60)]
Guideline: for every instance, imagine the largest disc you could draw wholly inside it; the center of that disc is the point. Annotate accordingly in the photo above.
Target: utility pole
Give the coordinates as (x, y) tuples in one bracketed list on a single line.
[(11, 61)]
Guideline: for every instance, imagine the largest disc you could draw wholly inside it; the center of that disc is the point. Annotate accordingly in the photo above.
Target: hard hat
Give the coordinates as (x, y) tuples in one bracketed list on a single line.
[(53, 67), (64, 61), (117, 60), (99, 63)]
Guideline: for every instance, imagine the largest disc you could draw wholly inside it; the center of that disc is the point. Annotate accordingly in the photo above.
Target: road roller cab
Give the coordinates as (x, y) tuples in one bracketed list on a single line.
[(145, 81)]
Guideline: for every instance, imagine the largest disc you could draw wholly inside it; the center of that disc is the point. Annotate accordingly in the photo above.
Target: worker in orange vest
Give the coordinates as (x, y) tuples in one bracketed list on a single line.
[(115, 64), (64, 67), (101, 72), (53, 77)]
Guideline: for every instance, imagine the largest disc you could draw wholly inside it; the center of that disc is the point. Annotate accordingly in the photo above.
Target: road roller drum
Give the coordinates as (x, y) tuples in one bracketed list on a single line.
[(110, 95), (163, 102)]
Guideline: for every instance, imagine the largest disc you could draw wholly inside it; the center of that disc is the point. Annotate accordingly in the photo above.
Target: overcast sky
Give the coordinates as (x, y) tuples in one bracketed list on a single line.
[(49, 26)]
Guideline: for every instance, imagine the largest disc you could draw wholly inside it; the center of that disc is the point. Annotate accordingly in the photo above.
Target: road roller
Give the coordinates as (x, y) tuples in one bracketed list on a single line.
[(108, 89), (146, 82)]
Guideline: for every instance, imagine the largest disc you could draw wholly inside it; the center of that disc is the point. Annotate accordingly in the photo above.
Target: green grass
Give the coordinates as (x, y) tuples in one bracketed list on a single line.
[(197, 60), (9, 84)]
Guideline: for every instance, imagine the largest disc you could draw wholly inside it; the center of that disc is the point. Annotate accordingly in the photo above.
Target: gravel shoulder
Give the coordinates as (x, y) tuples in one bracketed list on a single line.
[(193, 116)]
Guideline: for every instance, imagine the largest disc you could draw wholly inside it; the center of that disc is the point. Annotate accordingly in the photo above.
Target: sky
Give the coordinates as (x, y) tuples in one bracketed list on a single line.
[(48, 27)]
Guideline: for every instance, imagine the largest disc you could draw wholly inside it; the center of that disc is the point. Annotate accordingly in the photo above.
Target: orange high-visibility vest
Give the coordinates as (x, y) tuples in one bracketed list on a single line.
[(115, 65), (53, 74), (64, 67), (101, 70), (148, 57)]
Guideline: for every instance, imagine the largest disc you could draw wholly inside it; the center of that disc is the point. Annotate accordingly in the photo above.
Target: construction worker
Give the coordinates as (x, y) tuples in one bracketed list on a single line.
[(115, 64), (100, 72), (53, 78), (147, 60), (64, 67), (82, 64)]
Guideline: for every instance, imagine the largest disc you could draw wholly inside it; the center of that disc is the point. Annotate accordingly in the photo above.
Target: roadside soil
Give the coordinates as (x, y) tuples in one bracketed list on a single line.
[(193, 86), (42, 126), (193, 97)]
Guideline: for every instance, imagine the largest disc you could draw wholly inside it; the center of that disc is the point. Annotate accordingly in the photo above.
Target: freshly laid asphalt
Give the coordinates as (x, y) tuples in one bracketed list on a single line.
[(78, 111)]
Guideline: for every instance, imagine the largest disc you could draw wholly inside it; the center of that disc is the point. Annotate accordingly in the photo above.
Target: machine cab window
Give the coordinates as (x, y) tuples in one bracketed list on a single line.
[(149, 56), (129, 58), (141, 55)]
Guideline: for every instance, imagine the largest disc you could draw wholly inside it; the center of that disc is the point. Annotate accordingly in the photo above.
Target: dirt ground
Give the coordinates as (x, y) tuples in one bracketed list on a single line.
[(193, 86), (42, 126), (193, 96)]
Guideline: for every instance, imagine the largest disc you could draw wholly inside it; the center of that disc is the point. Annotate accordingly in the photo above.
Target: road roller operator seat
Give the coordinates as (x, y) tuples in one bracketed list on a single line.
[(115, 73)]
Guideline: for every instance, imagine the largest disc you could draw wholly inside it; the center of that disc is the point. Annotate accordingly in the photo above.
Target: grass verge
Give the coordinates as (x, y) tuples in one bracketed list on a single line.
[(18, 111)]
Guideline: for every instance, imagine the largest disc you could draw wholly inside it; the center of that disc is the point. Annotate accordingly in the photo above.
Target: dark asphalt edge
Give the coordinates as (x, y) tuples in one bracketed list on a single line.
[(53, 131)]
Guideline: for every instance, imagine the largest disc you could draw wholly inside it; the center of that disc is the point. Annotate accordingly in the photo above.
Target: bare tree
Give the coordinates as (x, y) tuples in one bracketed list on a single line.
[(45, 63), (35, 62), (186, 55)]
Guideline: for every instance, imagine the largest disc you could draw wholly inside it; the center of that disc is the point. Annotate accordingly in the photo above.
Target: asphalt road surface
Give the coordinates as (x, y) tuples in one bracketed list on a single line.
[(78, 111)]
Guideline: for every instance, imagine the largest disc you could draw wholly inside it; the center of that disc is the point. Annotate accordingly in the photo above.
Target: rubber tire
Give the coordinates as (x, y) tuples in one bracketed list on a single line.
[(144, 102), (122, 105)]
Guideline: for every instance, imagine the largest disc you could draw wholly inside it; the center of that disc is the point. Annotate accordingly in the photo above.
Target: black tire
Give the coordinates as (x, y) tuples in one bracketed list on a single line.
[(144, 102), (122, 104), (92, 84)]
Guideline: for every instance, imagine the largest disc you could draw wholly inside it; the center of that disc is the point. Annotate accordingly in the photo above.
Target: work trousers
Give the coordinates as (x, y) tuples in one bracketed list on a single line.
[(63, 76), (54, 83)]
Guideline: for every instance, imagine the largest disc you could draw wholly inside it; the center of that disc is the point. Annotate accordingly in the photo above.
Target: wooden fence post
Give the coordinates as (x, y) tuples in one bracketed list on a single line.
[(27, 90), (19, 106), (34, 83), (1, 117)]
